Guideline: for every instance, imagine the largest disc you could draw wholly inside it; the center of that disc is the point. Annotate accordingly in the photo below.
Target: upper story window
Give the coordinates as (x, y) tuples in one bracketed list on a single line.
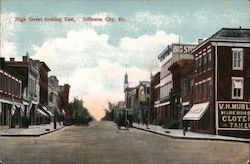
[(209, 88), (1, 82), (237, 58), (237, 87), (209, 59)]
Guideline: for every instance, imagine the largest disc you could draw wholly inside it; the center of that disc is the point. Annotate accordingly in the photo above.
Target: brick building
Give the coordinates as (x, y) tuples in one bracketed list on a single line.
[(11, 107), (155, 98), (63, 102), (53, 98), (43, 100), (29, 69), (182, 88), (221, 84)]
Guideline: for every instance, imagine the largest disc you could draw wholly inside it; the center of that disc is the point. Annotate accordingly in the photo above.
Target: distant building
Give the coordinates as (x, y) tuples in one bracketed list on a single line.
[(155, 116), (170, 55), (43, 101), (138, 99), (11, 107), (63, 103), (53, 97), (221, 84), (43, 81)]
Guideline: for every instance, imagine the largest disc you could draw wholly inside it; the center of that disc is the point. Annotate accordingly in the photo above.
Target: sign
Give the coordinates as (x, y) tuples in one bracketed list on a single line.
[(183, 48), (233, 115)]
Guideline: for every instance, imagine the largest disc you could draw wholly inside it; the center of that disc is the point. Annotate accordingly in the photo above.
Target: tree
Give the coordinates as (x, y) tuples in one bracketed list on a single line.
[(109, 113), (77, 109)]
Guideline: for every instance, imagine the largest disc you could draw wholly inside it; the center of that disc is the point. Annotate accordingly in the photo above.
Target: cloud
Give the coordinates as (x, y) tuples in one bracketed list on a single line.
[(8, 49), (95, 69), (98, 85), (8, 26)]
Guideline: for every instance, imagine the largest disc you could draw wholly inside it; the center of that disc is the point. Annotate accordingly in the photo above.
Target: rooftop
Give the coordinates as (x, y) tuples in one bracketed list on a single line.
[(232, 33)]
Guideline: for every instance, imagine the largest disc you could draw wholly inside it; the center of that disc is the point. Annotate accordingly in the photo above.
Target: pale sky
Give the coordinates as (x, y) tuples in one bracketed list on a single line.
[(92, 56)]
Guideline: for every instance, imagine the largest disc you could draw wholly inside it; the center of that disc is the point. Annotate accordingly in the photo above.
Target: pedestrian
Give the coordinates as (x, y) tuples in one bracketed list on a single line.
[(185, 127), (138, 120), (147, 122), (119, 121)]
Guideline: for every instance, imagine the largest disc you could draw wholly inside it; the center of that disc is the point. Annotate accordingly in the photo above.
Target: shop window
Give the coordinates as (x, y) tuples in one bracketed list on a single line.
[(237, 87), (237, 59)]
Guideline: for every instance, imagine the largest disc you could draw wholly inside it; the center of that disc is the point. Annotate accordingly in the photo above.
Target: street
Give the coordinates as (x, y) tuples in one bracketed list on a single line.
[(101, 142)]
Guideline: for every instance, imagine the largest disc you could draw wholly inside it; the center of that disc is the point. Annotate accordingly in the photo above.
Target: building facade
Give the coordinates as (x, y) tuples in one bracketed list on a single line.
[(155, 99), (53, 98), (43, 100), (137, 99), (170, 55), (182, 87), (63, 103), (29, 69), (11, 107), (222, 78)]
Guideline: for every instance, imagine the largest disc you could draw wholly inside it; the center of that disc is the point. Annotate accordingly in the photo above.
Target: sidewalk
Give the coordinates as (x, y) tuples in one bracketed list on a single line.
[(32, 131), (178, 133)]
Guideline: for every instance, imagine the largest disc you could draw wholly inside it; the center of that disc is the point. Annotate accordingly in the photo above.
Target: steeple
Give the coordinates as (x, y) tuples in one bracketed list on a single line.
[(126, 80)]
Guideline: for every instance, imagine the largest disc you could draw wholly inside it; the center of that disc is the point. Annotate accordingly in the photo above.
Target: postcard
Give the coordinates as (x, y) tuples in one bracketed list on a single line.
[(113, 81)]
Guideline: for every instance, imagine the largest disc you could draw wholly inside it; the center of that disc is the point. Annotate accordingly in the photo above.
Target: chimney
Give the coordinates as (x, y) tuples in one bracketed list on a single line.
[(2, 61), (12, 59), (200, 41)]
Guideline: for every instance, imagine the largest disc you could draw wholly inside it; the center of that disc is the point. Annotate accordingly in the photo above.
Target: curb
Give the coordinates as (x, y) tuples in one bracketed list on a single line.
[(30, 135), (190, 138)]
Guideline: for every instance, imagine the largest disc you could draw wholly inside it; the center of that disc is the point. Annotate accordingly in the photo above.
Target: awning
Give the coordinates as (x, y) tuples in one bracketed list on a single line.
[(47, 111), (196, 112), (50, 113), (25, 103), (41, 112), (162, 104), (185, 103)]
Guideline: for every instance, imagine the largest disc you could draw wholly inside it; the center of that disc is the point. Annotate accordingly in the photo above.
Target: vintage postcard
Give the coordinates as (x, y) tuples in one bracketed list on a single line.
[(124, 81)]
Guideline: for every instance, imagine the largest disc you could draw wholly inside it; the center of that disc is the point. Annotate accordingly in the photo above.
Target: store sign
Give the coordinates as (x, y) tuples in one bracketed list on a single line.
[(233, 115), (183, 48)]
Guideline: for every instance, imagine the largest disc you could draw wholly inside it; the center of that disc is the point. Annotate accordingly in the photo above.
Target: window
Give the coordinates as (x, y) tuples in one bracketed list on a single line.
[(13, 87), (202, 90), (237, 58), (209, 60), (1, 82), (205, 62), (209, 88), (9, 85), (237, 87)]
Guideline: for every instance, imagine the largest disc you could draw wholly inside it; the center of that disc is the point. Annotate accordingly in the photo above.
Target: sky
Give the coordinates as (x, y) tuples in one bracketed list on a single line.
[(93, 56)]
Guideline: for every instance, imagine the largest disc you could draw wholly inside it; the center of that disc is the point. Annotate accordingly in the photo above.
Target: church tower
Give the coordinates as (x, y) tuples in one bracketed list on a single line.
[(125, 81)]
